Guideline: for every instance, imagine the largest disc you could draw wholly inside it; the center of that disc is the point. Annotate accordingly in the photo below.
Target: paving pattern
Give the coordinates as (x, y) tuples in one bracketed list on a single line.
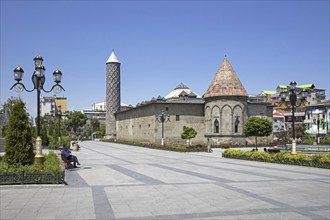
[(125, 182)]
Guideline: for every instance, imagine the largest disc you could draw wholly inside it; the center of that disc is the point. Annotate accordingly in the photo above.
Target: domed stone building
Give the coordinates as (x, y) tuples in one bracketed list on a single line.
[(219, 115)]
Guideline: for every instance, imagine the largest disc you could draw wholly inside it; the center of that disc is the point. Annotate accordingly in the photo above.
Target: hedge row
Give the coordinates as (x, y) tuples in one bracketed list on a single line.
[(283, 158)]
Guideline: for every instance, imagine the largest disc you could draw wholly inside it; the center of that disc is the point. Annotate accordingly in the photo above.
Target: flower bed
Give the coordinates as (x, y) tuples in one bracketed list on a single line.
[(171, 147), (283, 158)]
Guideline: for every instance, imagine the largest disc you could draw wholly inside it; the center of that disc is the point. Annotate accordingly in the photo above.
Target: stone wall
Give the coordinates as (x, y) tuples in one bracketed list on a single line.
[(229, 113), (262, 110), (140, 124)]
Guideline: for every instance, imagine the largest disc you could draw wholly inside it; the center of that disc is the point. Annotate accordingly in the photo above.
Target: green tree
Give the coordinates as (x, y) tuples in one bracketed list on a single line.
[(188, 133), (300, 130), (19, 146), (44, 135), (7, 107), (95, 124), (102, 130), (75, 120), (257, 127)]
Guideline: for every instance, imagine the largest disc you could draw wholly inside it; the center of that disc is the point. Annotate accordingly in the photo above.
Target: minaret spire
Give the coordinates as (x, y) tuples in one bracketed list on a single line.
[(112, 94), (113, 58)]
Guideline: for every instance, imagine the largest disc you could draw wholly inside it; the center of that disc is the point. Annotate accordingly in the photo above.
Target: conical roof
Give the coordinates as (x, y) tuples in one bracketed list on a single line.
[(225, 82), (113, 58)]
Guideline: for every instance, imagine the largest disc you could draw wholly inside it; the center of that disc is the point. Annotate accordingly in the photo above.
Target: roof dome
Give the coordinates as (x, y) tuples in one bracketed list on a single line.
[(182, 91)]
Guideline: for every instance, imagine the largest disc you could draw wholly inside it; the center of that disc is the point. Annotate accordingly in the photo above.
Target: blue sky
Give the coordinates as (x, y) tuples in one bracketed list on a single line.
[(161, 44)]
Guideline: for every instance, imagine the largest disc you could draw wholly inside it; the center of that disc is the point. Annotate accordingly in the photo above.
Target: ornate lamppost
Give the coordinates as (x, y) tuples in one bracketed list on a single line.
[(294, 95), (162, 117), (38, 79)]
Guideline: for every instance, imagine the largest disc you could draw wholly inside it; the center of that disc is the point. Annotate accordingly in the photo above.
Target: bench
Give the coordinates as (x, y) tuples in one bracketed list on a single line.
[(273, 150), (67, 162)]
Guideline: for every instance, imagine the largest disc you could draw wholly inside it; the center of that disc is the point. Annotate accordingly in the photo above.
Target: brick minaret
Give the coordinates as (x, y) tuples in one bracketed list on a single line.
[(112, 94)]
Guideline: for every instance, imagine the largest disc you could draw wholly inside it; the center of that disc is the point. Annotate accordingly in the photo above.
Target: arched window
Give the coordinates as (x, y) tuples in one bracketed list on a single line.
[(216, 126), (236, 124)]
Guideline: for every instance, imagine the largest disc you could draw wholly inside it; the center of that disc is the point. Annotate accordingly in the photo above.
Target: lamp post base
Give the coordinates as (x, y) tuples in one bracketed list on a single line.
[(293, 150), (39, 157)]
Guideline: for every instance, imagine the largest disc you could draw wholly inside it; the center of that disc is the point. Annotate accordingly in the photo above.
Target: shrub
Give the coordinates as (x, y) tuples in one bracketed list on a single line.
[(325, 141), (51, 164), (172, 147), (18, 146), (283, 158), (308, 142)]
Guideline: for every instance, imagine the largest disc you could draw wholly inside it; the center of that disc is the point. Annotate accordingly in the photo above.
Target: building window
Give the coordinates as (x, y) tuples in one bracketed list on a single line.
[(140, 126), (216, 126), (177, 117), (166, 108), (236, 124), (148, 125)]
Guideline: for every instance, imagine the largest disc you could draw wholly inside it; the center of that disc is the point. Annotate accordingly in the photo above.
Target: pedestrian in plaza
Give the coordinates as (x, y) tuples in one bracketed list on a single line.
[(69, 156)]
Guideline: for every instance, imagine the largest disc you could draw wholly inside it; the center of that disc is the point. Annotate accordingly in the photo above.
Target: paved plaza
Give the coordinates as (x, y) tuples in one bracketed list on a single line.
[(125, 182)]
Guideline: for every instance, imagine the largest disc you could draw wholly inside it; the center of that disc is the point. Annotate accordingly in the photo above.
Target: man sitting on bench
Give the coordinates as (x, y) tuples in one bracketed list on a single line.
[(69, 156)]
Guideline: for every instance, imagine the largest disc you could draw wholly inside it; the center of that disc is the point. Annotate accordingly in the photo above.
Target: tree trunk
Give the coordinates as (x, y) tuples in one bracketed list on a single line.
[(256, 142)]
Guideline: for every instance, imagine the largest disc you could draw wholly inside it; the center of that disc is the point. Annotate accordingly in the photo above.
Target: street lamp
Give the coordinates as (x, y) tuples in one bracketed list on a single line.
[(294, 95), (318, 128), (162, 117), (59, 115), (38, 79)]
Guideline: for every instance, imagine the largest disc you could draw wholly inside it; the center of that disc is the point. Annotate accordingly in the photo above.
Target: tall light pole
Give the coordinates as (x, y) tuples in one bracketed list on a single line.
[(38, 79), (294, 94), (318, 128), (162, 117), (59, 115)]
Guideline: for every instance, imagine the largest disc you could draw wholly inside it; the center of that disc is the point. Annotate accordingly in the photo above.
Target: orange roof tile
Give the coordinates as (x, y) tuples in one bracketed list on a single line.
[(225, 82)]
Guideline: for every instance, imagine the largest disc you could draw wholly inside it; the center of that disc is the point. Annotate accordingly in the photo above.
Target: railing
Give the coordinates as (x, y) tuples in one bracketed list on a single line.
[(32, 178)]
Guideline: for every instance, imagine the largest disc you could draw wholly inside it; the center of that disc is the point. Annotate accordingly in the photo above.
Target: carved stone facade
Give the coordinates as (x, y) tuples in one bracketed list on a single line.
[(224, 118)]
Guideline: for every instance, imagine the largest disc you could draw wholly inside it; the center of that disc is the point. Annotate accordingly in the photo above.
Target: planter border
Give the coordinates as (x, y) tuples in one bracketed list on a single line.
[(9, 178)]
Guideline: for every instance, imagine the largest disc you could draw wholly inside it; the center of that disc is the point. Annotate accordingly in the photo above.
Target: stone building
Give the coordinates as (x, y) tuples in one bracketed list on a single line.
[(219, 115)]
